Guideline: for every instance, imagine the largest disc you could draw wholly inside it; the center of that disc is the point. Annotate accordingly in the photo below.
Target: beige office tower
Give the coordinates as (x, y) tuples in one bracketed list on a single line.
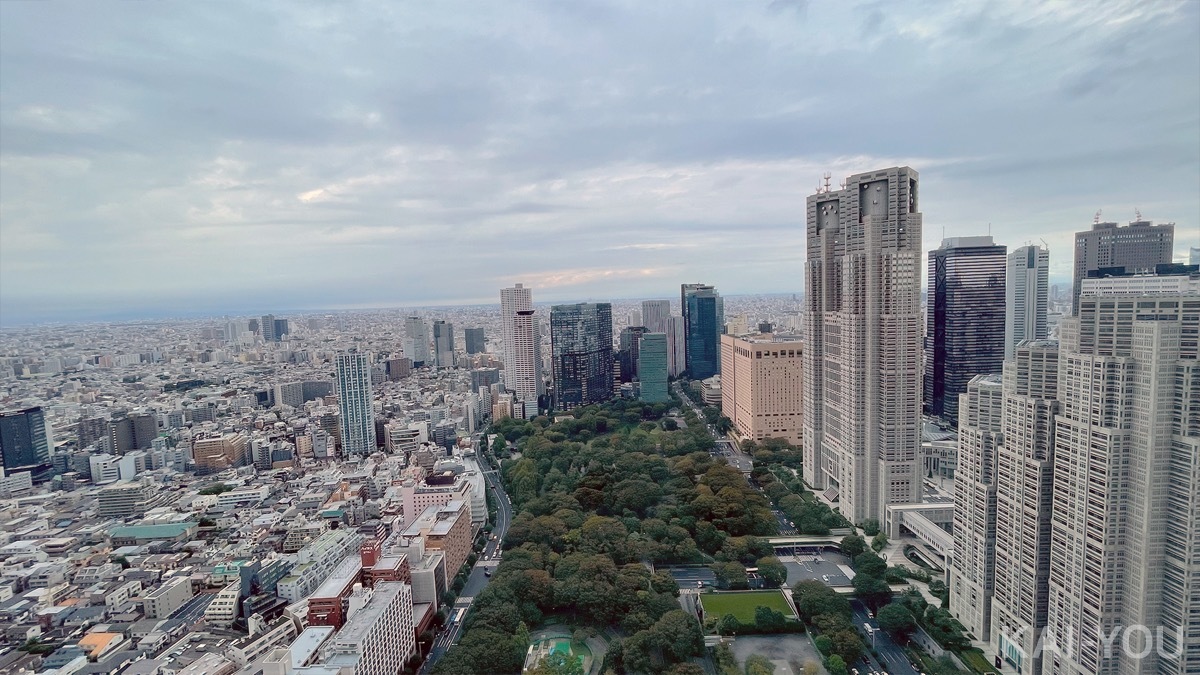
[(1125, 529), (1024, 491), (862, 350), (972, 568), (762, 387), (522, 344)]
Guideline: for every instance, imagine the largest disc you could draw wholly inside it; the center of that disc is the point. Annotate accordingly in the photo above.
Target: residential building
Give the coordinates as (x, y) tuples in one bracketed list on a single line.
[(291, 393), (380, 637), (1027, 295), (223, 609), (762, 387), (964, 326), (973, 565), (523, 375), (652, 368), (703, 318), (445, 528), (582, 348), (124, 499), (1136, 247), (862, 400), (1125, 526), (316, 561), (356, 403), (328, 604), (475, 340), (218, 452), (25, 439)]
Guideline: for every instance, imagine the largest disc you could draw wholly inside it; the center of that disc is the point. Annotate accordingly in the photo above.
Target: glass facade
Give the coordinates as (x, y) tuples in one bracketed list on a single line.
[(652, 368), (702, 317), (581, 342), (23, 441)]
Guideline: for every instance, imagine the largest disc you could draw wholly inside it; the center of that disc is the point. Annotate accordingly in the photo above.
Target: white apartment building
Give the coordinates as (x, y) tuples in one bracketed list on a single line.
[(223, 609), (162, 601), (862, 400), (379, 638), (356, 403), (316, 561)]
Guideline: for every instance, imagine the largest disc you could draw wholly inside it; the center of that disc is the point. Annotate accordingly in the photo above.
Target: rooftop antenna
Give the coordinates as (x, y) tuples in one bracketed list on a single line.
[(1045, 245), (1137, 214), (1096, 220), (827, 177)]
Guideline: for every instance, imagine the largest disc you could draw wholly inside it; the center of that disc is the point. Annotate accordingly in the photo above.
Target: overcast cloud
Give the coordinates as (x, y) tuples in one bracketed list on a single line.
[(204, 156)]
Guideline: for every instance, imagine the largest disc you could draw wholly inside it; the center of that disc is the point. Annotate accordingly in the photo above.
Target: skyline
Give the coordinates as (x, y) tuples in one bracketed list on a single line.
[(317, 153)]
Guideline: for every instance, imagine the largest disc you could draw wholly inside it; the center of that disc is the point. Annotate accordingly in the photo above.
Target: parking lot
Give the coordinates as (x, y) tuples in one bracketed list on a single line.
[(805, 564)]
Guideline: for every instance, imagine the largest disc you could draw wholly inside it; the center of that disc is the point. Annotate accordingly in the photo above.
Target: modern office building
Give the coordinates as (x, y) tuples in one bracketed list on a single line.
[(703, 319), (446, 528), (1027, 295), (1125, 527), (762, 386), (475, 340), (356, 403), (1024, 479), (443, 344), (1136, 247), (416, 341), (582, 349), (652, 368), (676, 346), (973, 566), (964, 320), (628, 343), (655, 314), (266, 328), (25, 439), (862, 399)]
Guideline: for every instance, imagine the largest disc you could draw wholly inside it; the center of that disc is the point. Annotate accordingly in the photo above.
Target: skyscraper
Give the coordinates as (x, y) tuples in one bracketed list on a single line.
[(762, 387), (1125, 528), (973, 566), (475, 340), (512, 300), (523, 374), (1139, 246), (1026, 297), (355, 400), (582, 348), (628, 344), (676, 346), (267, 328), (1024, 480), (443, 344), (655, 314), (862, 398), (24, 439), (703, 317), (964, 320), (416, 341), (652, 368)]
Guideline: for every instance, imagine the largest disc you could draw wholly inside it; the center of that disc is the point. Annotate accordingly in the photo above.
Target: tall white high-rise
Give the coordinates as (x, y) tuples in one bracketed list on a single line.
[(1125, 527), (972, 569), (862, 352), (416, 342), (355, 401), (523, 374), (1027, 291), (512, 300), (676, 346), (655, 314), (1024, 491)]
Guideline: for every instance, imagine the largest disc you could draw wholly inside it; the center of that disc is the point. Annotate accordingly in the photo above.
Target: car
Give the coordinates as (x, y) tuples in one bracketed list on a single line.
[(487, 573), (870, 614)]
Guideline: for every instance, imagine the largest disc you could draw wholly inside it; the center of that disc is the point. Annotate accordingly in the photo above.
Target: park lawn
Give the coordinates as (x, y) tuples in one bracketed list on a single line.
[(742, 604), (976, 660)]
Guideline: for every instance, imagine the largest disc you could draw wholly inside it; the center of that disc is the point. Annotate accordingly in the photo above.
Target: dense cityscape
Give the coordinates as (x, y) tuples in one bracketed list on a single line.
[(600, 338)]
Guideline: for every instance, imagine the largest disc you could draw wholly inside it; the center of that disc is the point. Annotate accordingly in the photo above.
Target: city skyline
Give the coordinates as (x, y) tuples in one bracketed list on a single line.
[(535, 125)]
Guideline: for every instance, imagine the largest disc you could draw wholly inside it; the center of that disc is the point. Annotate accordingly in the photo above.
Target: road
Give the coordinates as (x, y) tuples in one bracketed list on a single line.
[(689, 577), (892, 659), (489, 559), (723, 447)]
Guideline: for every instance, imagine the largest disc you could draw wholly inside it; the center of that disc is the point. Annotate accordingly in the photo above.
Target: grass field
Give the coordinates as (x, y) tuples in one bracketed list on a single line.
[(743, 603)]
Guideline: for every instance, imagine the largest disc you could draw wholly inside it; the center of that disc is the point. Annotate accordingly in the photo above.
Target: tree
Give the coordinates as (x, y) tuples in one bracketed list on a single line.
[(897, 620), (686, 668), (879, 542), (772, 571), (870, 564), (679, 635), (670, 424), (758, 664), (768, 620), (853, 545), (558, 663), (872, 590), (812, 668), (728, 625), (870, 526), (836, 666)]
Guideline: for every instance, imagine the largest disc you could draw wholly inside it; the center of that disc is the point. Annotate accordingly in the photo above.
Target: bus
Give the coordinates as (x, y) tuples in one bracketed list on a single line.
[(458, 616)]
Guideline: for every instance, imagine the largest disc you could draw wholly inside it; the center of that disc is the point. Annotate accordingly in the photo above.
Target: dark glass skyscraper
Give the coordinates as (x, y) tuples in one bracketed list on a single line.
[(703, 317), (23, 440), (475, 340), (964, 320), (581, 341), (628, 344), (443, 344)]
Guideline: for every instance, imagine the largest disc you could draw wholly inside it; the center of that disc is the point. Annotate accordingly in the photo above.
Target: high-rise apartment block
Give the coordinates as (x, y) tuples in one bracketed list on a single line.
[(1027, 294), (1136, 247), (973, 566), (703, 319), (964, 320), (762, 387), (512, 300), (416, 341), (379, 638), (475, 340), (582, 347), (25, 439), (652, 368), (862, 356), (1125, 527), (356, 403), (521, 331)]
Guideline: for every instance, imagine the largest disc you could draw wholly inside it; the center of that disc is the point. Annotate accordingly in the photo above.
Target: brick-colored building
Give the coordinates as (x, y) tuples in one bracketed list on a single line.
[(446, 529), (762, 386)]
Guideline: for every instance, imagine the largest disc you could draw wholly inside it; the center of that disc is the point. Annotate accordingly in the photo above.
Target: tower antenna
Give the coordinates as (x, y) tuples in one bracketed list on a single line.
[(1096, 220), (1137, 213), (827, 177)]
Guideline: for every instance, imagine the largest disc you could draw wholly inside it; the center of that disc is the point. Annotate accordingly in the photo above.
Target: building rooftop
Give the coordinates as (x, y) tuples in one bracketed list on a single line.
[(306, 645), (343, 574), (165, 531), (356, 628)]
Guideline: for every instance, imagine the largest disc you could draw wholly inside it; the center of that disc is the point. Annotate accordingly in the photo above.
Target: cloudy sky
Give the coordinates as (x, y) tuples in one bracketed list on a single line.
[(203, 156)]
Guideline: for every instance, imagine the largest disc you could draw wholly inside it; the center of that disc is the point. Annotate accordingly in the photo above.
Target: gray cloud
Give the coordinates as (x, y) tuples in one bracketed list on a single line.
[(225, 155)]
